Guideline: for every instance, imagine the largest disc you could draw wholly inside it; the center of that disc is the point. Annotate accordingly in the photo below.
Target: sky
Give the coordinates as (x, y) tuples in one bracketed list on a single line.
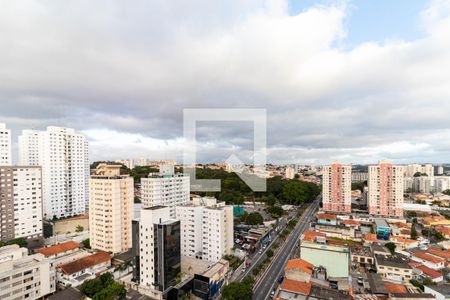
[(354, 81)]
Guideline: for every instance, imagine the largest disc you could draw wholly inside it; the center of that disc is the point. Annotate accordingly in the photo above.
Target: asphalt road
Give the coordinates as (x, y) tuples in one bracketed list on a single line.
[(255, 257), (264, 287)]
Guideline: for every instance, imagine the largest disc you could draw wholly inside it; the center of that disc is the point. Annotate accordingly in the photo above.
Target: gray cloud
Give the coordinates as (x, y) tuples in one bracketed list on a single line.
[(117, 70)]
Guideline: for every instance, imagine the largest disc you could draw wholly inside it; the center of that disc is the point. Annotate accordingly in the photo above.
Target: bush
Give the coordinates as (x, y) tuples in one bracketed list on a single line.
[(86, 244), (269, 253)]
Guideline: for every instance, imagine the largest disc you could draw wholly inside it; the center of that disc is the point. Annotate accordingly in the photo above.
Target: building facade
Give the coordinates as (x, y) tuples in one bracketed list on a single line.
[(25, 276), (337, 188), (5, 146), (411, 170), (385, 196), (157, 250), (21, 202), (111, 209), (206, 229), (165, 189), (63, 155)]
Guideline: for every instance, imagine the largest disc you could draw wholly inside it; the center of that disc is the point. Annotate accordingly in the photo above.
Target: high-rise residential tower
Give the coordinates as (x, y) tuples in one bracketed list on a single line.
[(411, 170), (63, 155), (21, 204), (111, 198), (165, 188), (5, 146), (156, 249), (385, 195), (206, 229), (337, 188)]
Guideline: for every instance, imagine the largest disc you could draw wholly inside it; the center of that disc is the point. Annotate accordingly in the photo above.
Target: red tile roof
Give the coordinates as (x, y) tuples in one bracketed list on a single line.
[(326, 216), (300, 264), (395, 288), (295, 286), (429, 272), (311, 235), (60, 248), (428, 257), (440, 253), (371, 237), (351, 222), (85, 262)]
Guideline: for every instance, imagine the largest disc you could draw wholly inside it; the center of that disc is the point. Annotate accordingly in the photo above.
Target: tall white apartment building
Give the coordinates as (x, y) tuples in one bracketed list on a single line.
[(427, 169), (165, 188), (111, 197), (206, 229), (385, 195), (289, 172), (337, 188), (23, 276), (21, 203), (156, 248), (63, 155), (5, 146)]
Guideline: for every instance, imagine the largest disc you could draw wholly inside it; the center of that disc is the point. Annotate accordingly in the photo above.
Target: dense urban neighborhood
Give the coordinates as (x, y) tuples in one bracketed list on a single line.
[(134, 229)]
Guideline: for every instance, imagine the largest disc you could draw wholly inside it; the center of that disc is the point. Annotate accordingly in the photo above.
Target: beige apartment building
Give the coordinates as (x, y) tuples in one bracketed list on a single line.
[(111, 198), (24, 276)]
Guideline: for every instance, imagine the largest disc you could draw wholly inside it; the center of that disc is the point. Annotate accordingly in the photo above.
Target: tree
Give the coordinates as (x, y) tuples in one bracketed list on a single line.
[(19, 241), (79, 228), (446, 192), (269, 253), (237, 291), (86, 244), (271, 200), (275, 211), (439, 236), (391, 247), (413, 232), (254, 218)]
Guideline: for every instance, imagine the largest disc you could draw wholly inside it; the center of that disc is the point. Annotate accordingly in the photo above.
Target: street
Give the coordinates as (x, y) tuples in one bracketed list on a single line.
[(263, 288)]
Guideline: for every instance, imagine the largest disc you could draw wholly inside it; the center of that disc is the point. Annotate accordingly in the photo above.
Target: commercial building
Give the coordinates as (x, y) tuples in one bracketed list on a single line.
[(393, 267), (165, 189), (337, 188), (63, 155), (111, 209), (24, 276), (382, 229), (335, 259), (21, 204), (206, 229), (5, 146), (156, 249), (385, 196)]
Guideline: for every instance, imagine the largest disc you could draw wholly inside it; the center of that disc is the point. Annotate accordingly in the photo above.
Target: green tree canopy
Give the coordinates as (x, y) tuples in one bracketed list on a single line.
[(237, 291), (254, 218)]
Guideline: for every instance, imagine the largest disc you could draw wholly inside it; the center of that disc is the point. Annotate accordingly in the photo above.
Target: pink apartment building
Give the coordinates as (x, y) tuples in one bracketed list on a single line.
[(337, 188), (385, 196)]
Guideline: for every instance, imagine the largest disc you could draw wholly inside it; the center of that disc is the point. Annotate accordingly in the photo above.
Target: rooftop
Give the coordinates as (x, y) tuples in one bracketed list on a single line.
[(295, 286), (429, 272), (300, 264), (396, 261), (443, 289), (395, 288), (438, 252), (85, 262), (59, 248), (428, 257)]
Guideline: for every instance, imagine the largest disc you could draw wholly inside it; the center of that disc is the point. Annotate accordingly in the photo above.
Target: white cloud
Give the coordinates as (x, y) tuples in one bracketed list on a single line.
[(123, 72)]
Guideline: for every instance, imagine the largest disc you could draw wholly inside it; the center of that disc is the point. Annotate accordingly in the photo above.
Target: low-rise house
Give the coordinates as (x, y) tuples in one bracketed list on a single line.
[(293, 289), (63, 253), (393, 267), (427, 272), (444, 254), (326, 219), (433, 262), (76, 272), (298, 269), (313, 236), (338, 231), (404, 243)]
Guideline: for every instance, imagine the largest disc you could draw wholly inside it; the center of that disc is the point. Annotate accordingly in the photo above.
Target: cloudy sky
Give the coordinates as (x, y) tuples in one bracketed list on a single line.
[(356, 81)]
